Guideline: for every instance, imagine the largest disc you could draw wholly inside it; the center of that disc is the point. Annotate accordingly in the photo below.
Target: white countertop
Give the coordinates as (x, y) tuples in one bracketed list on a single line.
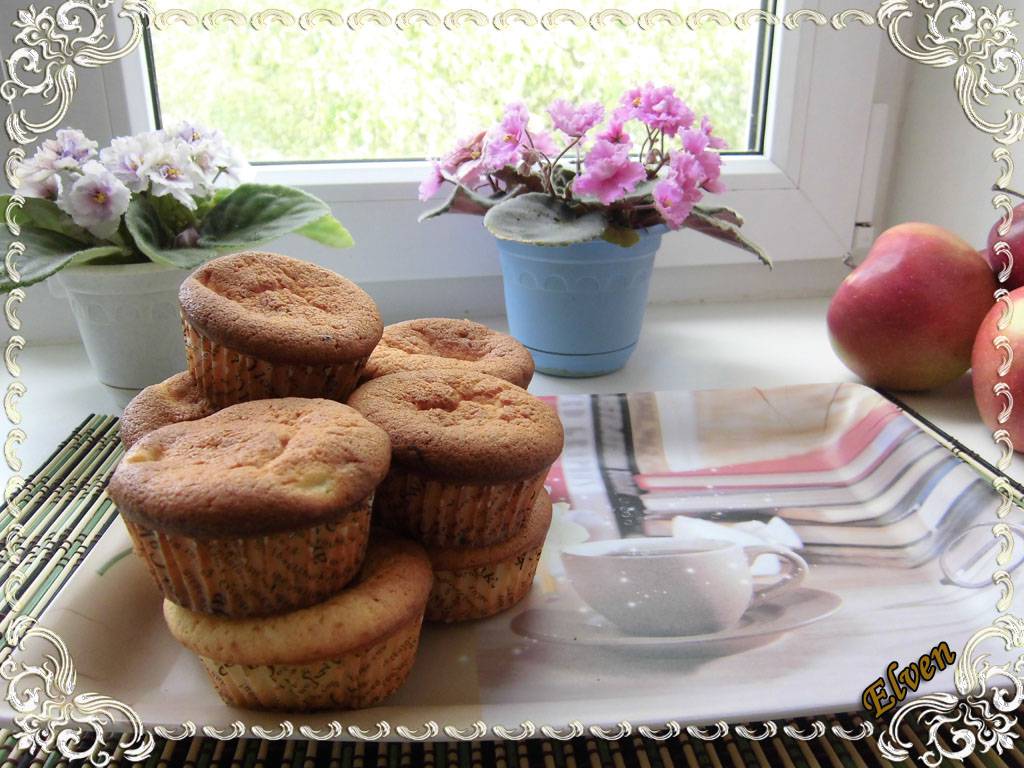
[(707, 346)]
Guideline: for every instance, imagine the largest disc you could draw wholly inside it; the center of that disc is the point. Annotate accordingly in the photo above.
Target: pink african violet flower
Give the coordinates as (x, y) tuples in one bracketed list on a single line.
[(504, 143), (680, 190), (696, 144), (657, 107), (688, 170), (670, 200), (715, 142), (615, 133), (465, 162), (430, 185), (542, 142), (610, 172), (465, 151), (537, 145), (575, 121)]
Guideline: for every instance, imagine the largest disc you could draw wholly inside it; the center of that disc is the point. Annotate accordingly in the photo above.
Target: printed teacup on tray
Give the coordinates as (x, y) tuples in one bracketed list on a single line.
[(673, 587)]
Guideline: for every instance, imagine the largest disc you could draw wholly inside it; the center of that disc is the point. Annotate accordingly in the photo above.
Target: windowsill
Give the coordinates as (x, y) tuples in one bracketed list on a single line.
[(698, 280), (754, 343), (382, 180)]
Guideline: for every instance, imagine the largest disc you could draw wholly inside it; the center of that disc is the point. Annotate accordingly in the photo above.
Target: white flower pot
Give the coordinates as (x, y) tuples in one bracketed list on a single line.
[(128, 318)]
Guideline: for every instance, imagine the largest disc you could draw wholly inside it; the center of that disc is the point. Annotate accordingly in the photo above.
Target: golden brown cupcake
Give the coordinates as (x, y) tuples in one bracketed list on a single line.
[(482, 581), (260, 508), (172, 400), (348, 652), (440, 342), (470, 453), (260, 325)]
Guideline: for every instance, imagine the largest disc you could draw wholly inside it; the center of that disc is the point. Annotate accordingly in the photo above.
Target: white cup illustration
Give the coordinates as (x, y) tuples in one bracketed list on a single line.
[(670, 586)]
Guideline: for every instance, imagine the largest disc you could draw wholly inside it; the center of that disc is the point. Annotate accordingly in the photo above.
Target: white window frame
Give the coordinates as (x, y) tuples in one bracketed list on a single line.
[(802, 198)]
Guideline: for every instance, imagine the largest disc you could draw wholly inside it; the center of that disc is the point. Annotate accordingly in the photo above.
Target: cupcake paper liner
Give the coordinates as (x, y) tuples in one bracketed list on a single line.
[(441, 513), (357, 679), (476, 593), (260, 575), (226, 376)]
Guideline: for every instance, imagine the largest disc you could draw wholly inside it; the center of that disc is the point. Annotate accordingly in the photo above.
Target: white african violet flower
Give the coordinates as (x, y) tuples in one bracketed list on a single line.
[(172, 171), (210, 152), (184, 161), (38, 179), (96, 201), (70, 150), (47, 188), (230, 165), (128, 158), (189, 132), (66, 153)]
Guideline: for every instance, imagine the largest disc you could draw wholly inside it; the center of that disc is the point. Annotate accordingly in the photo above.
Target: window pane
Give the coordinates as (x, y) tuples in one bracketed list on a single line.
[(331, 93)]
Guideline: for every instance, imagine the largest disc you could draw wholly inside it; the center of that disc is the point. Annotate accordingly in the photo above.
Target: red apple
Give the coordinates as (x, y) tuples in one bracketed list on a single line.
[(1015, 239), (985, 362), (906, 318)]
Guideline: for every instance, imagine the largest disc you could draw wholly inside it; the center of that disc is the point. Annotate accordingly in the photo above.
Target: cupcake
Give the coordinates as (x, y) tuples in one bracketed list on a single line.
[(348, 652), (437, 342), (260, 325), (172, 400), (470, 453), (482, 581), (260, 508)]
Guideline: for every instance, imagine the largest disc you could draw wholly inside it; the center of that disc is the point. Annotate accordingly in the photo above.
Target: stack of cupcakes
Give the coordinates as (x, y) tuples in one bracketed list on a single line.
[(470, 452), (247, 491), (254, 523), (248, 485)]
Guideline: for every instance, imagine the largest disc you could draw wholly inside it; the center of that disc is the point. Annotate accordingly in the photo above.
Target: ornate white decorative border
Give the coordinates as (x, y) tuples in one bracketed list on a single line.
[(467, 17), (978, 42)]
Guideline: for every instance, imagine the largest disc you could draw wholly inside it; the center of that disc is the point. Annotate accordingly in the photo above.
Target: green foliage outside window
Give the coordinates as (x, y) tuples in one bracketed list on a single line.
[(332, 93)]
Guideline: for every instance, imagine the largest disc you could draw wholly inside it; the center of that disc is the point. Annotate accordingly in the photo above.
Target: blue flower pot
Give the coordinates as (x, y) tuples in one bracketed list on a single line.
[(578, 308)]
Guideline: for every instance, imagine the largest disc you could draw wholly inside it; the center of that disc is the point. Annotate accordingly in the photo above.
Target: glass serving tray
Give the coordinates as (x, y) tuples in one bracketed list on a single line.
[(872, 500)]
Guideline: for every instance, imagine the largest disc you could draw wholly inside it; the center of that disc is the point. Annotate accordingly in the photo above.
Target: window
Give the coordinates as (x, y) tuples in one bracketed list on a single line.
[(332, 94), (350, 115)]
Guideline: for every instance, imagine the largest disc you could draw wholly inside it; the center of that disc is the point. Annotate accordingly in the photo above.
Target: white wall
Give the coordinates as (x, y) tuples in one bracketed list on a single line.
[(943, 172)]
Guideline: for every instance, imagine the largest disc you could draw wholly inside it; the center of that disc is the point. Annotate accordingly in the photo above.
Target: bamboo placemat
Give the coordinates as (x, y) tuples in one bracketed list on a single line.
[(63, 511)]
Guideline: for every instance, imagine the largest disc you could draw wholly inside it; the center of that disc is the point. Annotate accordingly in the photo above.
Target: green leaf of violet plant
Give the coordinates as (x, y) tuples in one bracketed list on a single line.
[(257, 213), (539, 219), (328, 231), (153, 238)]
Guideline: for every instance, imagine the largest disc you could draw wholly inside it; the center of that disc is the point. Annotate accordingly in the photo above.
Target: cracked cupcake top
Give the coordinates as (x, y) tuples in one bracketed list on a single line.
[(251, 469), (462, 425), (172, 400), (280, 309), (439, 342)]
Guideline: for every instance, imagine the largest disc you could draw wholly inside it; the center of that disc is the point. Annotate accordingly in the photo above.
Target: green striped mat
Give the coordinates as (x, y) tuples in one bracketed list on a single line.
[(62, 512)]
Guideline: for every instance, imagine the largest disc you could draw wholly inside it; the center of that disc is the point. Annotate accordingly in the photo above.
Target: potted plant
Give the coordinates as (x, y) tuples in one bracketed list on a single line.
[(120, 228), (579, 219)]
